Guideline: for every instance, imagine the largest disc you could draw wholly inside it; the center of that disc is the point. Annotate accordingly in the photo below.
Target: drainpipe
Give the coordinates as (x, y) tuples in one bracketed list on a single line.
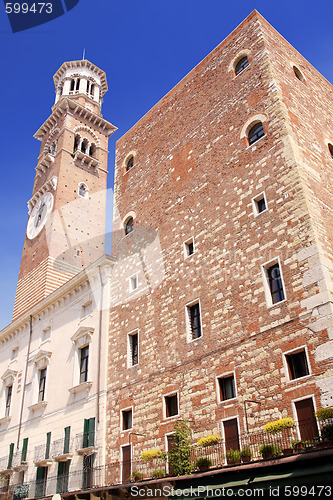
[(99, 344), (24, 385)]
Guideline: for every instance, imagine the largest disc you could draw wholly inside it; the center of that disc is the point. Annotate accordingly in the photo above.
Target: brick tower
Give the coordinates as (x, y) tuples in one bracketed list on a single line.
[(66, 225)]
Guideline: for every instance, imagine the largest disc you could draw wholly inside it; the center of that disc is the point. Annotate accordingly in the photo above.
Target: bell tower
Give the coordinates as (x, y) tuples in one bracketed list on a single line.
[(66, 225)]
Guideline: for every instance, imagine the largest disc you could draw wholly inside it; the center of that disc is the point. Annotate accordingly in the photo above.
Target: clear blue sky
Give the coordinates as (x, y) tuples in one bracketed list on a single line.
[(145, 47)]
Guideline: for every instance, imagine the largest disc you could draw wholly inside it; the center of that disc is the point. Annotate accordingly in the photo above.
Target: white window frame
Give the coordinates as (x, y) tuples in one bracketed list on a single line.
[(129, 349), (285, 363), (172, 393), (185, 247), (265, 279), (255, 200), (188, 322), (295, 416), (166, 447), (130, 282), (226, 375), (121, 419)]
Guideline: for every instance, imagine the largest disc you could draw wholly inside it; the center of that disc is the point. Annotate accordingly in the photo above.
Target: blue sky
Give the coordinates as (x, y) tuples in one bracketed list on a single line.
[(145, 47)]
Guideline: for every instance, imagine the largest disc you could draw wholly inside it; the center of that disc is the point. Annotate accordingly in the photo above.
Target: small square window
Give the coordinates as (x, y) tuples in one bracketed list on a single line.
[(273, 283), (14, 353), (133, 349), (87, 308), (171, 405), (297, 364), (193, 320), (189, 247), (259, 204), (133, 282), (227, 388), (127, 419)]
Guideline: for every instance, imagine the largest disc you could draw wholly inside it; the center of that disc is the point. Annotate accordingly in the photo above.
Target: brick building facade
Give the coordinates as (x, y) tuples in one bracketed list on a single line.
[(229, 179)]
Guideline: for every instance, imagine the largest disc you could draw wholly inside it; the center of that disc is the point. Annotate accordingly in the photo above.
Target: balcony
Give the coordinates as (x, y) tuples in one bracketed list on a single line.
[(42, 456), (6, 465), (19, 462), (85, 443), (60, 451), (86, 160)]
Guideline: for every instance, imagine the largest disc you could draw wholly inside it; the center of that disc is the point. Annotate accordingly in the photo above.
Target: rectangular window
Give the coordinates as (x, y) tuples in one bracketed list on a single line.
[(9, 390), (24, 450), (62, 477), (133, 282), (133, 349), (127, 419), (41, 478), (88, 432), (273, 283), (194, 321), (189, 247), (297, 364), (42, 383), (48, 445), (67, 439), (14, 353), (259, 204), (84, 357), (10, 456), (227, 389), (171, 405)]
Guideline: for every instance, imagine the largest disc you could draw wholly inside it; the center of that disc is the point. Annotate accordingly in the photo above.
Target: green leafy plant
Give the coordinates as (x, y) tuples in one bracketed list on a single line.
[(298, 444), (246, 452), (279, 425), (136, 476), (324, 413), (270, 450), (158, 473), (327, 432), (209, 440), (233, 456), (203, 463), (150, 455), (180, 455)]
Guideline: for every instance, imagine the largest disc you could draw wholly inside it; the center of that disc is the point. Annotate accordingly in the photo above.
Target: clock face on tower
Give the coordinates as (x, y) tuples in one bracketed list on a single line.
[(39, 215)]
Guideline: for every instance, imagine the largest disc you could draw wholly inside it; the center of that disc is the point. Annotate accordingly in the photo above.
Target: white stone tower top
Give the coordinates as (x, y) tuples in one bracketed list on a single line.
[(80, 77)]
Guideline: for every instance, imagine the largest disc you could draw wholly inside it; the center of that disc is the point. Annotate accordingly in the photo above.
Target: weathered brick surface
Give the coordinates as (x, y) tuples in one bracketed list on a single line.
[(195, 175)]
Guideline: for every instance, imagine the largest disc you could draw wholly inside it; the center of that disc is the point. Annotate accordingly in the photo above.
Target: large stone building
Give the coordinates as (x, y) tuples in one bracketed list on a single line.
[(216, 305)]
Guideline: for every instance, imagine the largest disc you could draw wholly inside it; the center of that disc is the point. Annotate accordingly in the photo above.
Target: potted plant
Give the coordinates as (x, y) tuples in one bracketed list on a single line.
[(269, 450), (324, 413), (149, 455), (156, 474), (203, 463), (298, 445), (246, 454), (279, 425), (209, 440), (136, 476), (327, 434), (233, 456)]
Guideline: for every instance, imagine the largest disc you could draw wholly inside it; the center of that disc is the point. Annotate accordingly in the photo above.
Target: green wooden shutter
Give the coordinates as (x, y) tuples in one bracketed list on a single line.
[(91, 439), (67, 438), (24, 450), (85, 433), (48, 444), (40, 481), (10, 457)]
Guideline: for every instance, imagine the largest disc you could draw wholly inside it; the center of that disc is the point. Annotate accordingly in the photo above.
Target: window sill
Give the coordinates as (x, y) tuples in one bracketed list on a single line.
[(305, 377), (6, 472), (63, 457), (37, 406), (43, 463), (85, 386), (4, 420), (189, 341), (86, 451), (173, 416), (276, 304), (22, 467), (256, 142), (231, 400)]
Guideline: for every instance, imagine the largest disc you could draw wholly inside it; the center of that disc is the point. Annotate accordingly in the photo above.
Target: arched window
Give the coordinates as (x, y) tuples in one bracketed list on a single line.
[(129, 225), (72, 84), (330, 148), (83, 190), (242, 64), (129, 163), (92, 150), (255, 133), (76, 142), (298, 74), (77, 84), (92, 88), (84, 146)]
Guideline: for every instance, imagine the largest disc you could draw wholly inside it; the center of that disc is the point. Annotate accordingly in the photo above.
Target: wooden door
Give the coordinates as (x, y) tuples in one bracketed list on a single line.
[(171, 444), (231, 436), (127, 463), (306, 420)]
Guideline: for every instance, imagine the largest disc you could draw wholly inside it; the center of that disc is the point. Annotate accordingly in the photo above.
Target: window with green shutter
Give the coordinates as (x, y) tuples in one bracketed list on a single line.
[(88, 432), (24, 450), (48, 444), (10, 456), (67, 439)]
